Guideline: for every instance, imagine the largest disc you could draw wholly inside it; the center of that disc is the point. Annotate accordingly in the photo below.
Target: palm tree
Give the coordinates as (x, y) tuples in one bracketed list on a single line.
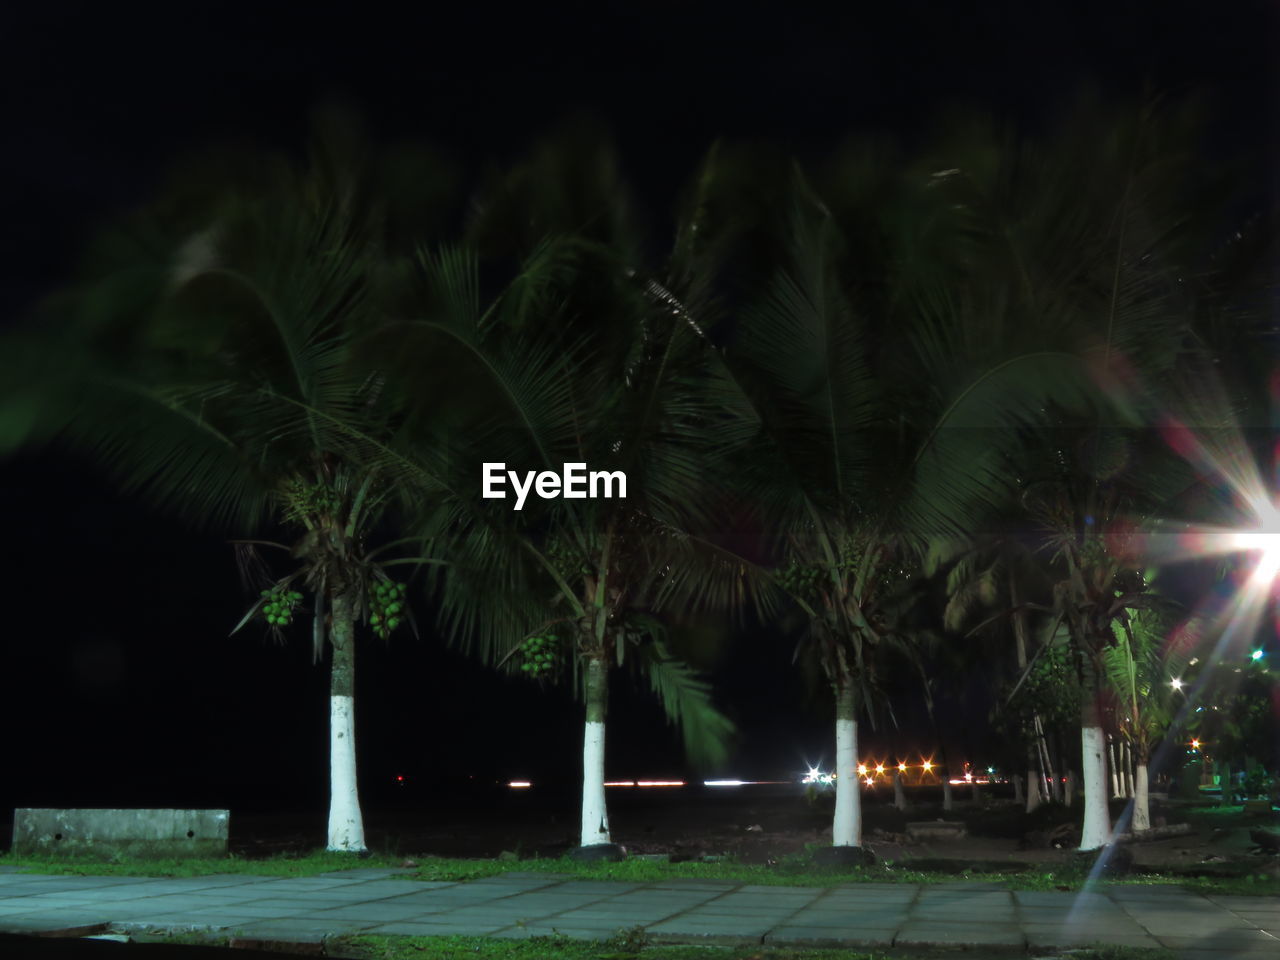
[(207, 365), (854, 467), (584, 360)]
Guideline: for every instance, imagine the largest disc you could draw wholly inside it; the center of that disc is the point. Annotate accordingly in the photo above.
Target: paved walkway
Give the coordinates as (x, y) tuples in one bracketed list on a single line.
[(307, 910)]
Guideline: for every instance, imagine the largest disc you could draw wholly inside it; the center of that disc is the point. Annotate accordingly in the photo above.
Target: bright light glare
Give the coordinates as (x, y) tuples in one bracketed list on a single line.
[(659, 783), (1256, 655), (619, 783), (1176, 683), (519, 784), (862, 769), (869, 782), (927, 766), (902, 767), (1195, 744), (723, 783), (879, 768)]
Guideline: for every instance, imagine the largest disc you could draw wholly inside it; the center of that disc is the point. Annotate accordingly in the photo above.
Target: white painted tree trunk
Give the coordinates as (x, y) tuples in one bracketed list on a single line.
[(1097, 821), (946, 791), (846, 829), (899, 795), (346, 822), (1141, 801), (1112, 750), (595, 815)]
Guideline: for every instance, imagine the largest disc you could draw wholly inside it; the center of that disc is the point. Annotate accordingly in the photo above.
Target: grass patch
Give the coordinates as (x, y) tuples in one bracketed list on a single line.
[(628, 946), (308, 865)]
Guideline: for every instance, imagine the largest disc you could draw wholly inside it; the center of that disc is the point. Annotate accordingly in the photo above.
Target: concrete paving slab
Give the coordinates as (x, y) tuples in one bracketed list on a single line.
[(378, 912), (76, 923), (104, 895), (1061, 898), (859, 907), (377, 889), (1206, 922), (843, 918), (1220, 940), (623, 918), (287, 928), (1232, 902), (295, 902), (253, 912), (307, 884), (1150, 891), (217, 895), (15, 908), (596, 922), (557, 900), (602, 887)]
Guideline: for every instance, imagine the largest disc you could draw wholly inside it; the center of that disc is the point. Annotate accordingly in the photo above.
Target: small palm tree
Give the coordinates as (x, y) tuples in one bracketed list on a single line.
[(1143, 669)]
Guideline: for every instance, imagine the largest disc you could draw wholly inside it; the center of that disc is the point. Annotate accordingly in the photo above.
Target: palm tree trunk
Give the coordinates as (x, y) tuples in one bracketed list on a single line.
[(595, 816), (1054, 787), (1141, 796), (346, 823), (1093, 750), (1020, 642), (846, 830), (1035, 777)]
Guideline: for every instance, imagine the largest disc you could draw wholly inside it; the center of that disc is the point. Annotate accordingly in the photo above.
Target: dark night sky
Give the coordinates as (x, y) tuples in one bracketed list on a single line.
[(120, 679)]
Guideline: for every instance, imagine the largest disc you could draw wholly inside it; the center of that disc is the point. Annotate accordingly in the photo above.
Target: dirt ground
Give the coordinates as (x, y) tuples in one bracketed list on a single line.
[(769, 828)]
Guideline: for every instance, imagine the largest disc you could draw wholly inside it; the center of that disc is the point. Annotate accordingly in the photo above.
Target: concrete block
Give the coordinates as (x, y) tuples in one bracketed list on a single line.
[(130, 833)]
